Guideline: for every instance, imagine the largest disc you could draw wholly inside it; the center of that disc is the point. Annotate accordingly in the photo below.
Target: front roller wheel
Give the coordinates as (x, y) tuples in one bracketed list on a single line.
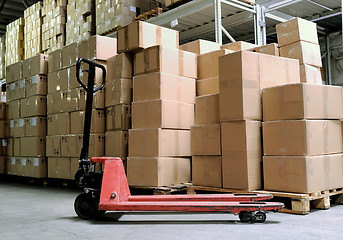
[(247, 217), (260, 217), (86, 206)]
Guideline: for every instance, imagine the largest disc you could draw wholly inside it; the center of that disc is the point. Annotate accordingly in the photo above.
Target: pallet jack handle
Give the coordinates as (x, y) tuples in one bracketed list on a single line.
[(90, 89)]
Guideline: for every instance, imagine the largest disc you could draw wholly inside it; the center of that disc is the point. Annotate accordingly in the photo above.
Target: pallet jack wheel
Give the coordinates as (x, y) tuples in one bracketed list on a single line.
[(260, 217), (86, 206), (247, 217)]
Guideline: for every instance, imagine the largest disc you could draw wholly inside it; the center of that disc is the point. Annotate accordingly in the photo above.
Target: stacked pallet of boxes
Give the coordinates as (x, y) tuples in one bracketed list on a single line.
[(33, 30), (163, 105), (53, 28), (2, 57), (66, 105), (26, 95), (15, 41), (4, 132), (80, 20)]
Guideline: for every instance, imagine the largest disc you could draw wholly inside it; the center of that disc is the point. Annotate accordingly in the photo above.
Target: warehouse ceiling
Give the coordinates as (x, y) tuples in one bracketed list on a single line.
[(11, 10)]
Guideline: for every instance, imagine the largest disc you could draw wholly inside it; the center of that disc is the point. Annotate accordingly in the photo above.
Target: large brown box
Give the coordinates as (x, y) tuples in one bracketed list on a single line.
[(36, 85), (208, 63), (207, 86), (33, 106), (35, 65), (36, 167), (116, 144), (70, 100), (157, 171), (270, 49), (11, 165), (2, 164), (32, 147), (16, 128), (54, 61), (54, 103), (70, 73), (295, 30), (303, 174), (163, 86), (118, 91), (241, 155), (302, 137), (166, 60), (53, 146), (140, 35), (302, 101), (162, 114), (71, 145), (207, 171), (13, 109), (306, 52), (59, 168), (118, 117), (58, 81), (207, 109), (205, 140), (69, 55), (14, 72), (310, 74), (97, 48), (16, 147), (58, 124), (200, 46), (35, 127), (238, 46), (119, 66), (159, 143), (77, 120)]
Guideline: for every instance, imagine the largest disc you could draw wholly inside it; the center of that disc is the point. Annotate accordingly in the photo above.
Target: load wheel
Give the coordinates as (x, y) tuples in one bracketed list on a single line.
[(260, 217), (247, 217), (86, 206)]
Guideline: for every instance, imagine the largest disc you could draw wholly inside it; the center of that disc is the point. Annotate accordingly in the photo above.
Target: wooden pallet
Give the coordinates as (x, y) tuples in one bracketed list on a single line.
[(110, 31), (194, 189), (167, 190), (152, 13)]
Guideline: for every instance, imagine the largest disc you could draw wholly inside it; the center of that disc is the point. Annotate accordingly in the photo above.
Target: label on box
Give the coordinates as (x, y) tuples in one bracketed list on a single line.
[(174, 23), (33, 121), (21, 123), (11, 124), (12, 86), (4, 142), (23, 161), (133, 9), (21, 84), (34, 80), (35, 162), (12, 160)]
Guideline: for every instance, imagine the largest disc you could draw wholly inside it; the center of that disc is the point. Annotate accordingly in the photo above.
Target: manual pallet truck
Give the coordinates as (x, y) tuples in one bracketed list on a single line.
[(108, 190)]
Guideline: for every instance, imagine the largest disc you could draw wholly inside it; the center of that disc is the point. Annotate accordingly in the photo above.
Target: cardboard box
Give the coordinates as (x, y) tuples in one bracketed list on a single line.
[(74, 166), (2, 164), (58, 81), (269, 49), (302, 174), (116, 144), (33, 106), (77, 120), (166, 60), (36, 85), (200, 46), (207, 171), (159, 143), (58, 124), (97, 48), (35, 127), (205, 140), (71, 145), (54, 61), (32, 146), (37, 167), (70, 100), (162, 114), (118, 117), (119, 66), (54, 103), (117, 92), (163, 86), (158, 171), (11, 165), (98, 98), (310, 74), (35, 65), (9, 147), (239, 84), (302, 137), (83, 74), (17, 128), (53, 146), (13, 109), (140, 35), (238, 46), (69, 55), (302, 101), (207, 86), (59, 168), (14, 72), (307, 53), (241, 155), (295, 30), (208, 64), (3, 111), (16, 147), (207, 109), (3, 147), (20, 166)]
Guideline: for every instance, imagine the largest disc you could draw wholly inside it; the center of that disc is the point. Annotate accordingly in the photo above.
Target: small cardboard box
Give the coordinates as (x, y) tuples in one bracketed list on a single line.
[(207, 109), (116, 144), (205, 140), (208, 63), (32, 146), (200, 46), (207, 86), (35, 66), (118, 117), (241, 155), (36, 85), (35, 127), (158, 171), (302, 101), (118, 91), (16, 128), (33, 106), (159, 143), (59, 168), (13, 109), (119, 66), (37, 167), (162, 114), (163, 86), (269, 49), (53, 146), (69, 100), (302, 137), (310, 74), (238, 46), (77, 120), (207, 171), (58, 124)]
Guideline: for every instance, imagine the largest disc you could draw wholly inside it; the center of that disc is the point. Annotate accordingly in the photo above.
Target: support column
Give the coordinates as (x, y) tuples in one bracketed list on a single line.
[(328, 60), (218, 21), (260, 25)]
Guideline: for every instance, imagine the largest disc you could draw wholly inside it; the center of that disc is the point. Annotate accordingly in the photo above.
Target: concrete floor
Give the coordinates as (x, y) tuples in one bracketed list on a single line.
[(43, 212)]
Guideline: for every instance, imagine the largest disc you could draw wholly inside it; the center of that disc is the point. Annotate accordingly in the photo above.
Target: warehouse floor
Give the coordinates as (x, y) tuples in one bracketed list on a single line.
[(44, 212)]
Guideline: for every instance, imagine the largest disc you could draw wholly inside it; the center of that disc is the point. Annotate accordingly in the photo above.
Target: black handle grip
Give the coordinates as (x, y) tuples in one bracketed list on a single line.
[(92, 66)]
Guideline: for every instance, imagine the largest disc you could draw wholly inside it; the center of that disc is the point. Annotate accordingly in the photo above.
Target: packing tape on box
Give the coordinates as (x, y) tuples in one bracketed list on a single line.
[(158, 35), (177, 142), (179, 81), (326, 102), (283, 149), (326, 136), (181, 61)]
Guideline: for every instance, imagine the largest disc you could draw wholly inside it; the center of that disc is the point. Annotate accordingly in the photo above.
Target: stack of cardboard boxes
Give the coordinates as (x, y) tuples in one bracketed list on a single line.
[(26, 95), (53, 28), (67, 102), (80, 20), (15, 41), (33, 30), (2, 57), (4, 131)]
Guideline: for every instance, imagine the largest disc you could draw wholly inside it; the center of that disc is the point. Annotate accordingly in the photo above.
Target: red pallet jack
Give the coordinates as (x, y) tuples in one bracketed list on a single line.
[(108, 190)]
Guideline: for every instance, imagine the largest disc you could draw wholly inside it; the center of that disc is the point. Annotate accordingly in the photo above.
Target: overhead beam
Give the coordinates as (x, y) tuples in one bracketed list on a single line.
[(2, 5)]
